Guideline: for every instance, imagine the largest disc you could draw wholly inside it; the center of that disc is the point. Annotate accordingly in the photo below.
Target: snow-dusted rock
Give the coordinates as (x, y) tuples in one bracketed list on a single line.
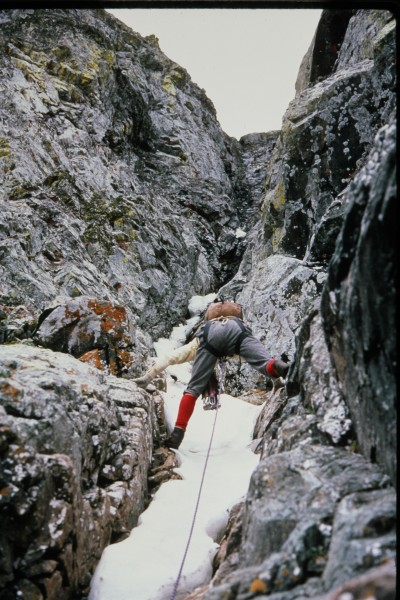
[(76, 446), (119, 185)]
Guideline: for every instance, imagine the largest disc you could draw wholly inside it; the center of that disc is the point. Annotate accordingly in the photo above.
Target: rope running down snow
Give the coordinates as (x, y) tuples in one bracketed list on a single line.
[(195, 511)]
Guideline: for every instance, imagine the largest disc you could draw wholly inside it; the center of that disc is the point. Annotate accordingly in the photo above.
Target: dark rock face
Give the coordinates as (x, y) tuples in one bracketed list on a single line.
[(306, 489), (121, 199), (75, 451), (256, 151), (358, 304), (337, 410), (118, 181), (316, 514), (319, 61), (327, 132)]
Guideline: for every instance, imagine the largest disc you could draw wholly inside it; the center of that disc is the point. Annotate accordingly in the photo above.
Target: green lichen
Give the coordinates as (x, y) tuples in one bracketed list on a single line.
[(4, 148), (95, 208), (119, 222), (21, 191), (29, 54), (86, 77), (277, 236), (26, 68), (64, 71), (72, 73), (125, 232), (120, 208), (75, 292), (109, 57), (103, 217), (179, 76), (169, 88), (61, 52), (153, 40), (55, 178), (278, 199)]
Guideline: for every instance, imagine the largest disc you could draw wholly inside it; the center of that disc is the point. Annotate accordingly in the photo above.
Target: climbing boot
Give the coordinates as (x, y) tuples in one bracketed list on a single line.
[(175, 439), (277, 368)]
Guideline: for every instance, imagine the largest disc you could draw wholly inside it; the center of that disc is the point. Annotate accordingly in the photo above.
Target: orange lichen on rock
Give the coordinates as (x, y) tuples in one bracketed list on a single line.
[(10, 391), (110, 313), (94, 357), (258, 586), (114, 361)]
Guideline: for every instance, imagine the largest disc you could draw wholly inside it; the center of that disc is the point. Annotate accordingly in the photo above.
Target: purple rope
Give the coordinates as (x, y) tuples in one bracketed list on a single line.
[(195, 511)]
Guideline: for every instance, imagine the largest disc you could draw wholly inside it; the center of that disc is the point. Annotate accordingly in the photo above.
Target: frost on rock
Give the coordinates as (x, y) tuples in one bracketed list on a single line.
[(75, 452)]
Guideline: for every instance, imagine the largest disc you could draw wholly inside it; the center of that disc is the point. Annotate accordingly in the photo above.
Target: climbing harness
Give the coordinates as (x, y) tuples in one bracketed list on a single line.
[(211, 399), (175, 589), (215, 387)]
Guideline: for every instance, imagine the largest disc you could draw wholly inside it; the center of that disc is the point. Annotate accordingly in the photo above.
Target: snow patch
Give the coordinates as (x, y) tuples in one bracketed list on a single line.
[(147, 563)]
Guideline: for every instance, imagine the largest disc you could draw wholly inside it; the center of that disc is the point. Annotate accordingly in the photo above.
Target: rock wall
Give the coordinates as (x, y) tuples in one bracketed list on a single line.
[(76, 447), (121, 198), (118, 181), (305, 528), (321, 507), (358, 304), (327, 134)]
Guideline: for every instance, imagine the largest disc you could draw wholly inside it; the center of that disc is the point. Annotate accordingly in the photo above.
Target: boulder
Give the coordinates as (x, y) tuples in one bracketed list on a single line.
[(99, 332), (292, 539), (75, 447)]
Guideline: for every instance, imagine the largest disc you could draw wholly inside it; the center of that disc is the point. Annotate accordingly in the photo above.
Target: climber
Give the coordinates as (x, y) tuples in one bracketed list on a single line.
[(222, 334)]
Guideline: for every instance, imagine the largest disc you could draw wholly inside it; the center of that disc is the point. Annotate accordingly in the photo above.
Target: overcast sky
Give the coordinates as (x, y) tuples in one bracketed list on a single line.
[(247, 60)]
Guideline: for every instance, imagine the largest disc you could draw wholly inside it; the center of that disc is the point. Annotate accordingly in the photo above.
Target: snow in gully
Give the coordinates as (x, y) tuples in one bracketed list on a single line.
[(145, 566)]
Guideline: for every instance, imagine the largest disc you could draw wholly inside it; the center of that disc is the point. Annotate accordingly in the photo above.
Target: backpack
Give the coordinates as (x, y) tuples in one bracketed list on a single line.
[(225, 308), (218, 308)]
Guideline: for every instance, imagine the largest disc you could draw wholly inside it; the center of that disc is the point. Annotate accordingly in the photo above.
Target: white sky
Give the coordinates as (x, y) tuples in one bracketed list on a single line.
[(148, 562), (247, 60)]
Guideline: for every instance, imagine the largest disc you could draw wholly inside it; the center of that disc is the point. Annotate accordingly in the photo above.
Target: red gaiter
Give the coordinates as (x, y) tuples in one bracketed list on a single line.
[(186, 408)]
